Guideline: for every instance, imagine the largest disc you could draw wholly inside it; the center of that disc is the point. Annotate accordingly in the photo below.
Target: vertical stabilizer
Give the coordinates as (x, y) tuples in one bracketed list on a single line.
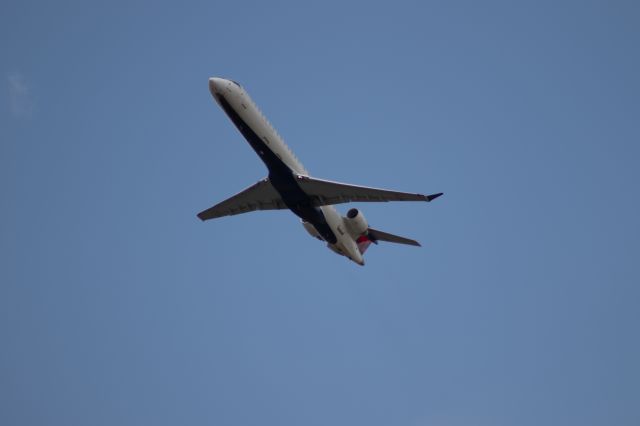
[(363, 242)]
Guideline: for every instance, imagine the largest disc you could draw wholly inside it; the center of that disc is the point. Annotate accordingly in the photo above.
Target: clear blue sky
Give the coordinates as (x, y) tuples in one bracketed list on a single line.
[(119, 307)]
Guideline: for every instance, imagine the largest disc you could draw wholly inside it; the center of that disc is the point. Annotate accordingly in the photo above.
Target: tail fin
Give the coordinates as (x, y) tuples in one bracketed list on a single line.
[(374, 235), (363, 242)]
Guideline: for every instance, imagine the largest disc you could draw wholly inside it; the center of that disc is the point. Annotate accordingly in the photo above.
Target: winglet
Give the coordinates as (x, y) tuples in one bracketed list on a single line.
[(434, 196)]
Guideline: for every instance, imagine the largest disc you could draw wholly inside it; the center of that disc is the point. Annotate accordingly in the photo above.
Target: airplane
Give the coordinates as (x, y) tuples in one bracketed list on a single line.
[(289, 185)]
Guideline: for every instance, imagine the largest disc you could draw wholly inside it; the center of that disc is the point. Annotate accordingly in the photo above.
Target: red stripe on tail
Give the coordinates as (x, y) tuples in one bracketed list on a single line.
[(363, 243)]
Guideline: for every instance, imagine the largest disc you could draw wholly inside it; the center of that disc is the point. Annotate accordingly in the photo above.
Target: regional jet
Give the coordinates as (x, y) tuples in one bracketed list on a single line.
[(288, 184)]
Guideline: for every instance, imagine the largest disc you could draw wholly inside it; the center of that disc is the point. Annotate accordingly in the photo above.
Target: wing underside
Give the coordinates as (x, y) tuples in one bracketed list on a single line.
[(325, 192), (263, 196), (260, 196)]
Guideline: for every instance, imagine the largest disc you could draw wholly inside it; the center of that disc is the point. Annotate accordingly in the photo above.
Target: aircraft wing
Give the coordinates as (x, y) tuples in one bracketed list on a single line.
[(260, 196), (325, 192)]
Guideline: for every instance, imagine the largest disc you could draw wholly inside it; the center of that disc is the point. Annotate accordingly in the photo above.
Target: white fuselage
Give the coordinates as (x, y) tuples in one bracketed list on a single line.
[(246, 109)]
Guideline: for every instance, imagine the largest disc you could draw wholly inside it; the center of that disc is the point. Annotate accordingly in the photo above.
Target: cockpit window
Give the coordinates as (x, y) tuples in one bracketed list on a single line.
[(236, 83)]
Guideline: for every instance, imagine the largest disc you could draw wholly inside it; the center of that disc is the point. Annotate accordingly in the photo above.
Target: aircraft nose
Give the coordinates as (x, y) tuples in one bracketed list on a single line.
[(215, 85)]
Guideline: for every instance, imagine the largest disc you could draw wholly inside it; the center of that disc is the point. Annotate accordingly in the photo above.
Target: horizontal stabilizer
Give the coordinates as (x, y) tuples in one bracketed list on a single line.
[(260, 196), (326, 192), (376, 235)]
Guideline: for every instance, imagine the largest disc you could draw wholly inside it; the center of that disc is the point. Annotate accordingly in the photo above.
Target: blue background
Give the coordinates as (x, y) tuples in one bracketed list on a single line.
[(118, 306)]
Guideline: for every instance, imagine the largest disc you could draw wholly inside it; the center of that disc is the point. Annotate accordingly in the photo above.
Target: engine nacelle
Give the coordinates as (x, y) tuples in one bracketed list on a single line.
[(356, 223), (312, 230)]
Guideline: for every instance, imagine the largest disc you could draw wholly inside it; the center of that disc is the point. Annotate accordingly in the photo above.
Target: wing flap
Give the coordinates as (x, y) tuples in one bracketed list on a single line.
[(260, 196), (326, 192)]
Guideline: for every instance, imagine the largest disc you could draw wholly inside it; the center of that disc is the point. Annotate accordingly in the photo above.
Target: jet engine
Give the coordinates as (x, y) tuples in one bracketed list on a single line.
[(312, 230), (356, 223)]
